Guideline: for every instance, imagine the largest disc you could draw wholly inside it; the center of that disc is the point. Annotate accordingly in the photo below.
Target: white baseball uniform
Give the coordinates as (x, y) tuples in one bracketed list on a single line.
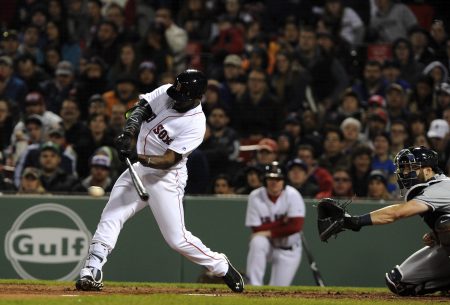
[(182, 133), (284, 252)]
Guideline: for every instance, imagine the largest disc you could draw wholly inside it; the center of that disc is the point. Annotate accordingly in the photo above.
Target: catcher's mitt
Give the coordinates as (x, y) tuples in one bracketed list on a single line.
[(331, 215)]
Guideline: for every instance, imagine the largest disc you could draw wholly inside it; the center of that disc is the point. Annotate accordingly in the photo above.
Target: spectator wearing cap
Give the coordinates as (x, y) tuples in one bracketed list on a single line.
[(252, 179), (233, 72), (58, 89), (30, 182), (392, 73), (57, 135), (35, 104), (91, 81), (147, 77), (377, 188), (74, 128), (124, 92), (31, 131), (399, 136), (396, 103), (297, 177), (97, 105), (391, 20), (289, 83), (100, 166), (10, 44), (11, 87), (316, 174), (257, 112), (221, 145), (126, 63), (438, 133), (54, 178), (30, 155), (351, 129), (421, 100), (372, 82), (442, 98), (266, 153), (333, 145)]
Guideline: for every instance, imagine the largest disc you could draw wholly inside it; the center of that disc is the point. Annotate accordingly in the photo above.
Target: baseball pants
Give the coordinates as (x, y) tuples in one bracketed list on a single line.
[(166, 190)]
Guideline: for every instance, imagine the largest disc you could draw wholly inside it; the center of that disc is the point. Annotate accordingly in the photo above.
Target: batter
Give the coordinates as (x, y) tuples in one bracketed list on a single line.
[(275, 213), (169, 124)]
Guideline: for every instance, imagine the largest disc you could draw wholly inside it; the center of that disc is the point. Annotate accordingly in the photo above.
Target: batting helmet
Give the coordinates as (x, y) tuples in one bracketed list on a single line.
[(189, 85), (273, 170), (408, 160)]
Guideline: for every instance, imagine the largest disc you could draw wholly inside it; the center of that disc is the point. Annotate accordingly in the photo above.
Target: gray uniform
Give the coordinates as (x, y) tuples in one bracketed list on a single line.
[(429, 268)]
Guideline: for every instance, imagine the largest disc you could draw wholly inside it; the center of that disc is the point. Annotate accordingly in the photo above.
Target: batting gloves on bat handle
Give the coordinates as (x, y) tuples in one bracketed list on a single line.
[(123, 145)]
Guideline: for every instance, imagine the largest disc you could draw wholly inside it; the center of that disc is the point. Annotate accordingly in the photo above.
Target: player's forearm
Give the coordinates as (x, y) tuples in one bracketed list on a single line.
[(293, 225), (268, 226), (386, 215), (169, 159), (138, 114)]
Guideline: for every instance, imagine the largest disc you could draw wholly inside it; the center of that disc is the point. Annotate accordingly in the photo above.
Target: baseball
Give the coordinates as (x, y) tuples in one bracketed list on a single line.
[(96, 191)]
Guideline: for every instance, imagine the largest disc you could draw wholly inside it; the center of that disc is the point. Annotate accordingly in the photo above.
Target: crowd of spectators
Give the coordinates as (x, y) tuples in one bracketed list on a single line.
[(331, 89)]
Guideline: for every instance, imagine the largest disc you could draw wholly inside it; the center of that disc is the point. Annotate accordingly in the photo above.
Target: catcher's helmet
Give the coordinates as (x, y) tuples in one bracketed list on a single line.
[(273, 170), (189, 85), (408, 160)]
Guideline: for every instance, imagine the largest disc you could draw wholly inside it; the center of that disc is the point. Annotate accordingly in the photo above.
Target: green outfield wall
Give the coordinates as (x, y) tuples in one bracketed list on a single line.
[(47, 238)]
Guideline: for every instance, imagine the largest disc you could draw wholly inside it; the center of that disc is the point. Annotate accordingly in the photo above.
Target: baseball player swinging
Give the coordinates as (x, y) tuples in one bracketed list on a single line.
[(169, 124), (428, 195), (275, 213)]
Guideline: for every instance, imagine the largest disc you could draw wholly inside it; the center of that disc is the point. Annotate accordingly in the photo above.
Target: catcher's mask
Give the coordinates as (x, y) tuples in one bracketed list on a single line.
[(409, 160), (274, 171), (189, 86)]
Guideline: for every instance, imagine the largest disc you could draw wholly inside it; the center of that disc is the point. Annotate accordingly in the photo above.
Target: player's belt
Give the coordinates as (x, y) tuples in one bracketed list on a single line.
[(288, 248)]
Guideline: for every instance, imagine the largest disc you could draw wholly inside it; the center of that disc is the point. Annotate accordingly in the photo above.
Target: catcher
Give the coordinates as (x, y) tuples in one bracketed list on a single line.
[(428, 195)]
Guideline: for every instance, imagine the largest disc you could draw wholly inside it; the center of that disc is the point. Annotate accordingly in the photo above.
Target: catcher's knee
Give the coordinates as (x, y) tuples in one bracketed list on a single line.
[(442, 228), (394, 282)]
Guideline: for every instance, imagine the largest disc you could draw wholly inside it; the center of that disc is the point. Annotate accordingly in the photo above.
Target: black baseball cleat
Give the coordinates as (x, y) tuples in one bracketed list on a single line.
[(233, 278), (90, 280)]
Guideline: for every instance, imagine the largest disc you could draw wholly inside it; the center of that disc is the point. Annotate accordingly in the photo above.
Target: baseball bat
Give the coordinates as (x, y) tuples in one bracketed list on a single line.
[(312, 263), (138, 185)]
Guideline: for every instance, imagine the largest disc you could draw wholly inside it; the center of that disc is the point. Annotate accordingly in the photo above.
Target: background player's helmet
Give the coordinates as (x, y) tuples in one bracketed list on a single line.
[(408, 160), (273, 170), (189, 85)]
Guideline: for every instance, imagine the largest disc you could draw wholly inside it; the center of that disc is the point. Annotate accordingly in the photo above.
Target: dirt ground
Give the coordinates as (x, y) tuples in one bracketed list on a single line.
[(21, 291)]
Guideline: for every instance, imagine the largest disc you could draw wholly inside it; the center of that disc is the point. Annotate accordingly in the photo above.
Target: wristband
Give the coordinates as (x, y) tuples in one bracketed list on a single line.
[(365, 220)]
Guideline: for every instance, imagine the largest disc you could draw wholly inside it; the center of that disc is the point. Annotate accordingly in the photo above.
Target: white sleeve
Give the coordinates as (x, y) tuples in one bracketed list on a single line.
[(154, 98), (296, 204), (187, 141), (252, 218)]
